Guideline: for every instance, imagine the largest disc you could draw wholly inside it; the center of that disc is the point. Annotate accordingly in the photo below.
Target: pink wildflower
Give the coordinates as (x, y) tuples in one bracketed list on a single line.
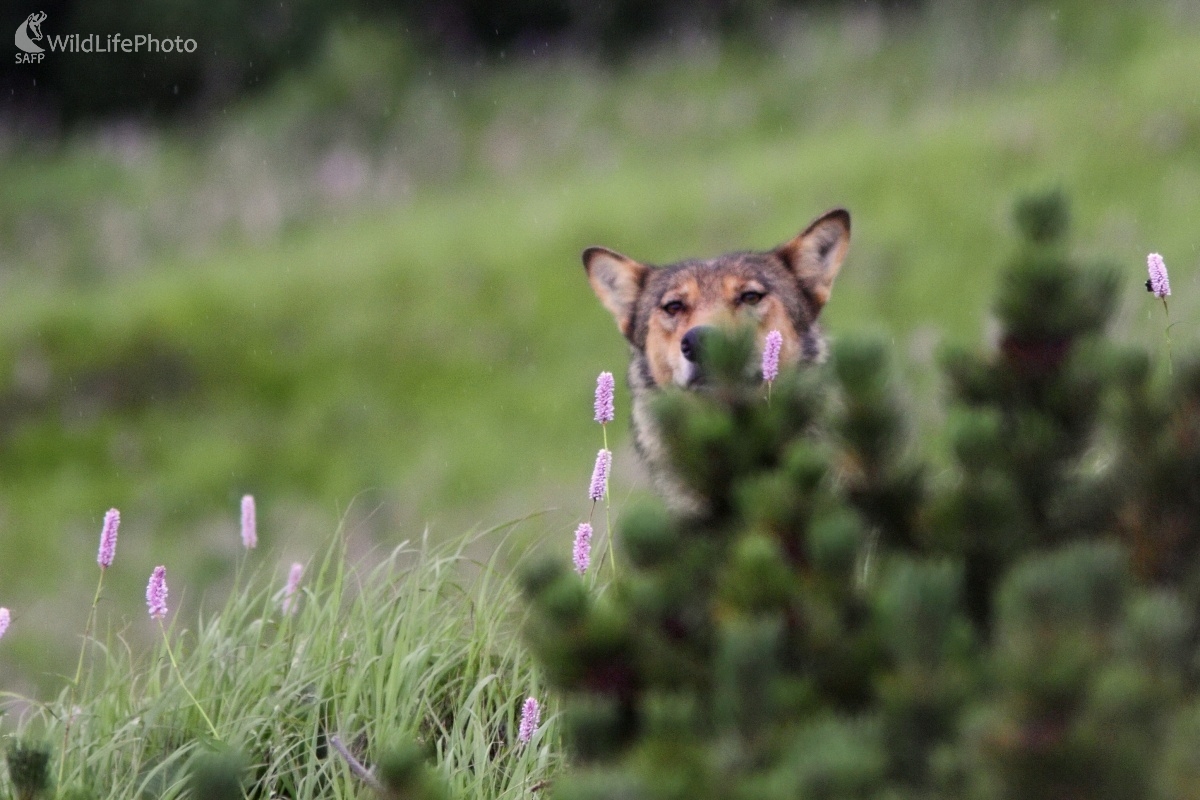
[(583, 547), (293, 583), (770, 356), (156, 593), (599, 484), (108, 539), (531, 713), (249, 523), (5, 618), (1158, 283), (605, 387)]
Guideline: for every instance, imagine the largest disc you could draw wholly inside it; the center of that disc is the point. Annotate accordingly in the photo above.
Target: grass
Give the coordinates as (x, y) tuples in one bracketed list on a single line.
[(362, 290), (417, 645)]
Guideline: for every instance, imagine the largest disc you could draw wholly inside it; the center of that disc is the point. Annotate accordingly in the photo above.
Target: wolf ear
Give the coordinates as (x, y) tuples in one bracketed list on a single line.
[(815, 256), (617, 281)]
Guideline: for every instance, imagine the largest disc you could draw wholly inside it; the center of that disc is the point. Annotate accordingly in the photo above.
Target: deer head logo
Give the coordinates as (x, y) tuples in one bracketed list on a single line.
[(30, 32)]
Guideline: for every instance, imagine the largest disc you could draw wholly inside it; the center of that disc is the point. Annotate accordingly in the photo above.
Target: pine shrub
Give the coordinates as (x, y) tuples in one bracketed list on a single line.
[(856, 614)]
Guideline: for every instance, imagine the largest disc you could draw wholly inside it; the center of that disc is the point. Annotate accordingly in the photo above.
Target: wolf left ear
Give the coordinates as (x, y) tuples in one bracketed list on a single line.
[(815, 256), (617, 281)]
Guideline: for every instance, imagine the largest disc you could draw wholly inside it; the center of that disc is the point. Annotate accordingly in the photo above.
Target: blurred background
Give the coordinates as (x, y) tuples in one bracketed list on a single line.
[(331, 258)]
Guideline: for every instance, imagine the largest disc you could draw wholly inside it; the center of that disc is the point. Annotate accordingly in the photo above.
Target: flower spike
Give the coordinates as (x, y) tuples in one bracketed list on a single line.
[(249, 523), (599, 484), (770, 356), (108, 539), (293, 583), (156, 593), (582, 555), (605, 388), (1159, 283), (531, 713)]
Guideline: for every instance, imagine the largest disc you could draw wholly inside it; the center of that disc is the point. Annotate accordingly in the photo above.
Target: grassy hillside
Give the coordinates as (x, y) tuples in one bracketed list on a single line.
[(360, 295)]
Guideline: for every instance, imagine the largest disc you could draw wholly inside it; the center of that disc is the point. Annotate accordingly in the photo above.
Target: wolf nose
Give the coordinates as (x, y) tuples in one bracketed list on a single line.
[(693, 341)]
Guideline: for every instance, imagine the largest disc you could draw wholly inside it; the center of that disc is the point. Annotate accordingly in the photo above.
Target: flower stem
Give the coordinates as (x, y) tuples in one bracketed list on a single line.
[(1167, 334), (87, 633), (612, 556), (179, 675)]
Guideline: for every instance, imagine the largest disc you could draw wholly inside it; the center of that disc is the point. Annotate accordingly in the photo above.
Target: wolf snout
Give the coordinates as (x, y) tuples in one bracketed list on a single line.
[(692, 344)]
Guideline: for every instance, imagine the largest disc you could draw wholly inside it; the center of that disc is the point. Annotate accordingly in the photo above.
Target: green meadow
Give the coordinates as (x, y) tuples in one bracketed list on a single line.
[(357, 295)]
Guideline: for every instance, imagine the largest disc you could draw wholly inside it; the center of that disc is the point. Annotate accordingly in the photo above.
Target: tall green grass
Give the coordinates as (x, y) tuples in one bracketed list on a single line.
[(417, 644)]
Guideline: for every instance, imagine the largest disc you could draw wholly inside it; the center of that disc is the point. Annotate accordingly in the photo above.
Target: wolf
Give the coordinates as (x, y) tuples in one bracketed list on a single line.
[(665, 313)]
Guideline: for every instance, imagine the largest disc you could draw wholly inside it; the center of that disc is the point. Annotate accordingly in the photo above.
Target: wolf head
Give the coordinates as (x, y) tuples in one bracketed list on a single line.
[(666, 313)]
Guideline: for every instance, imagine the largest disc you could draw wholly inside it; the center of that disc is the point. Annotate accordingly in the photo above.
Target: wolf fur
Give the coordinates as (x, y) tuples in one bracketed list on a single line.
[(663, 312)]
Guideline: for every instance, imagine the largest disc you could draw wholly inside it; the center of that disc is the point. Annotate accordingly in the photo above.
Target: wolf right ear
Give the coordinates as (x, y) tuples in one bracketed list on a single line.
[(815, 256), (617, 281)]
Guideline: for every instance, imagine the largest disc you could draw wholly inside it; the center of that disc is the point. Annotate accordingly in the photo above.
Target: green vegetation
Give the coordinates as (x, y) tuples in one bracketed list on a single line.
[(358, 295), (418, 647), (841, 620)]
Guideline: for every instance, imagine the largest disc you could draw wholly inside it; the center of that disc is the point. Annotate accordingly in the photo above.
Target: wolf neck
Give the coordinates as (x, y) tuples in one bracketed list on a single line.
[(648, 439)]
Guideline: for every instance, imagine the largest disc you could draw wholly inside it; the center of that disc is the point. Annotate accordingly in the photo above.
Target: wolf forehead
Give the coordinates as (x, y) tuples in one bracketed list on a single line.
[(718, 280)]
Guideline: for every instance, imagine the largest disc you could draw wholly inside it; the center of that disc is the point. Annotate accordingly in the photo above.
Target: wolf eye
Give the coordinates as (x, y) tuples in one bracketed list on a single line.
[(672, 308), (751, 298)]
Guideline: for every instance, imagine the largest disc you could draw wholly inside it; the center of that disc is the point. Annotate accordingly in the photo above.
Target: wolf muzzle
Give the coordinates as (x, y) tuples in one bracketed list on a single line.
[(692, 345)]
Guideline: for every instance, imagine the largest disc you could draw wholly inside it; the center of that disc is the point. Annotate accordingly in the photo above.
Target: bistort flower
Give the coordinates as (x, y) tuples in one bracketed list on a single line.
[(1158, 283), (156, 593), (582, 555), (108, 539), (605, 389), (600, 475), (249, 523), (293, 583), (770, 356), (531, 713)]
